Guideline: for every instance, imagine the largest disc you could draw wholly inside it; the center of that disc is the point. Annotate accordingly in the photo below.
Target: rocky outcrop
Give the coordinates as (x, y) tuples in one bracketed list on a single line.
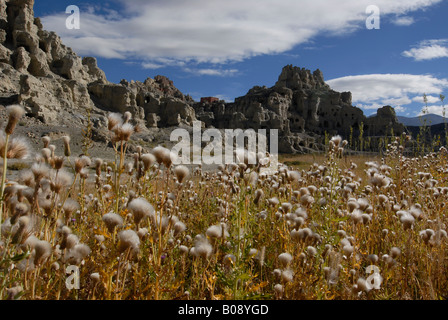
[(302, 107), (53, 83), (156, 102), (57, 86), (48, 78), (383, 123)]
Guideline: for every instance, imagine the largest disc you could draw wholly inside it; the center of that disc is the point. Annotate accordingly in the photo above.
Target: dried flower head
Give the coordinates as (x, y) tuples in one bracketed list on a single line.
[(114, 120), (181, 173), (285, 259), (124, 132), (311, 251), (229, 260), (15, 112), (43, 251), (278, 288), (78, 253), (40, 171), (293, 176), (395, 252), (163, 155), (112, 220), (67, 151), (216, 231), (62, 180), (22, 232), (203, 248), (95, 277), (259, 193), (148, 160), (287, 275), (336, 140), (179, 227), (46, 141), (127, 116), (140, 208), (71, 241), (129, 240), (18, 147), (81, 163)]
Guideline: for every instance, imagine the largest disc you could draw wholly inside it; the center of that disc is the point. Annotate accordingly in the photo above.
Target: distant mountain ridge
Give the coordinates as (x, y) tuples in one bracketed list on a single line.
[(431, 119)]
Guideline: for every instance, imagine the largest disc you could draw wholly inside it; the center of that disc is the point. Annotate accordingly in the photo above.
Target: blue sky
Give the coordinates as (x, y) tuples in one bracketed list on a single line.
[(224, 48)]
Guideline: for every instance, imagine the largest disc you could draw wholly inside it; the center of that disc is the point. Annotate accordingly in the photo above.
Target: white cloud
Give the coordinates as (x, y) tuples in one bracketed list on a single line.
[(428, 50), (400, 109), (372, 90), (225, 98), (431, 99), (403, 21), (212, 72), (434, 109), (150, 65), (373, 106), (215, 31), (397, 101)]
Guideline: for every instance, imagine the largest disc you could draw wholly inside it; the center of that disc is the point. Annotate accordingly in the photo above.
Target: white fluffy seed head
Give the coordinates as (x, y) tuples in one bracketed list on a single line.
[(127, 116), (142, 232), (311, 251), (406, 219), (148, 160), (42, 252), (183, 249), (203, 248), (362, 285), (129, 240), (181, 173), (336, 140), (347, 250), (114, 120), (72, 241), (140, 208), (286, 207), (112, 220), (253, 252), (15, 112), (278, 288), (40, 171), (293, 176), (77, 254), (287, 275), (285, 259), (13, 292), (259, 193), (179, 227), (215, 232), (163, 155), (273, 201), (395, 252)]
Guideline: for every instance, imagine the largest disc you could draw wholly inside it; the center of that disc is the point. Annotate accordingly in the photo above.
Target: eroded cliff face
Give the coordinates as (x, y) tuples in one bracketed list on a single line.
[(302, 106), (38, 71), (53, 83), (57, 86)]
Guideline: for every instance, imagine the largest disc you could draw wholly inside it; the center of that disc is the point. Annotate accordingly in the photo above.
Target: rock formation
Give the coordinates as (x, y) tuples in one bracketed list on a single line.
[(303, 107), (54, 84), (57, 86)]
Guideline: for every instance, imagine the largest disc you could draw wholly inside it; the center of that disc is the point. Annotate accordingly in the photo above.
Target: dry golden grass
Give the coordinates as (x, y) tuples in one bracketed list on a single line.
[(327, 227)]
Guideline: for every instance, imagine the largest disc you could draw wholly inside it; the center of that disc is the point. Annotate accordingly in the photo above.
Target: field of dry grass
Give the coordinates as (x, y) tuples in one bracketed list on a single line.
[(322, 227)]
